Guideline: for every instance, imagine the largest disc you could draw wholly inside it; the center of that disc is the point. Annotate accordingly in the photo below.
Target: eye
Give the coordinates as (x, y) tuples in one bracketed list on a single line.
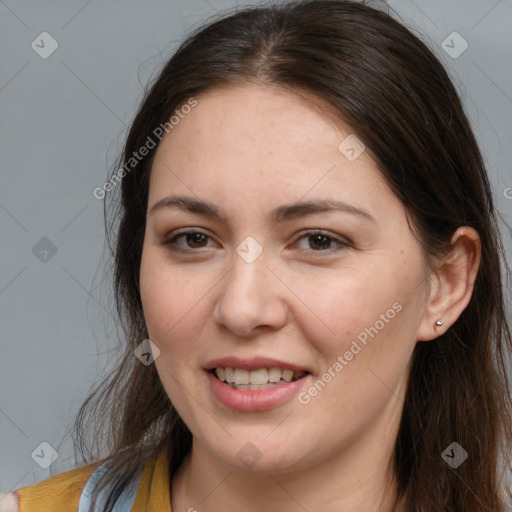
[(318, 241), (310, 241), (189, 240)]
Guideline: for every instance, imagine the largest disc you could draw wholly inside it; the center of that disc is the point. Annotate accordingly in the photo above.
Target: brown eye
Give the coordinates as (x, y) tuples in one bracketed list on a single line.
[(318, 242), (195, 239), (187, 240)]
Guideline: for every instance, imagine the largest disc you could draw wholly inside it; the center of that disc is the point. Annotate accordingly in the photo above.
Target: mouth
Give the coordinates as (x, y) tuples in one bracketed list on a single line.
[(257, 379), (257, 383)]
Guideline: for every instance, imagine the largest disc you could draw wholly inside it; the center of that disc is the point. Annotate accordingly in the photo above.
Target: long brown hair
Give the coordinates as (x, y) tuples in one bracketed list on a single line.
[(391, 89)]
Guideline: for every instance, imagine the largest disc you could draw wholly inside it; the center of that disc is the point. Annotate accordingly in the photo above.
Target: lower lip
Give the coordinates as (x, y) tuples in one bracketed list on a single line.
[(256, 400)]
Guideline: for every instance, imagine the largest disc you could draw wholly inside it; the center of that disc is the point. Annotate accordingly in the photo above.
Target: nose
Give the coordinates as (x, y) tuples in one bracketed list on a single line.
[(251, 298)]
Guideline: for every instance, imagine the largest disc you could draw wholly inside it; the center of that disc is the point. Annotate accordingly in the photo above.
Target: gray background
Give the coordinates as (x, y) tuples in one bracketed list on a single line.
[(61, 125)]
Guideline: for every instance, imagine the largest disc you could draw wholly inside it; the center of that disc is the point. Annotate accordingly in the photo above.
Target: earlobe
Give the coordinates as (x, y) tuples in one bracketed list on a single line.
[(451, 285)]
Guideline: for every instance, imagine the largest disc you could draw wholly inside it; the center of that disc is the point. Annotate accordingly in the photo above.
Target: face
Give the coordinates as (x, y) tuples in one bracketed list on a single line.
[(270, 252)]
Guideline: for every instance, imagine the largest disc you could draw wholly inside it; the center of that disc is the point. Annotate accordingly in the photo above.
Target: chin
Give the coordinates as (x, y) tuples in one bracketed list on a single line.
[(260, 456)]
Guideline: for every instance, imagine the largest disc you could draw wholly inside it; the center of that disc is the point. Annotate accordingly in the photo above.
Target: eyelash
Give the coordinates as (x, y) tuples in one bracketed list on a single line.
[(341, 244)]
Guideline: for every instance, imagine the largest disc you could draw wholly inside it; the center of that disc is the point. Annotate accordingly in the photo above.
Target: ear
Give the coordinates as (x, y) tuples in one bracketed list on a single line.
[(451, 284)]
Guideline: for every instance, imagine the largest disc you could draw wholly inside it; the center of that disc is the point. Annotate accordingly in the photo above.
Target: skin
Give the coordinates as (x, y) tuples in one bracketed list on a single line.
[(249, 149)]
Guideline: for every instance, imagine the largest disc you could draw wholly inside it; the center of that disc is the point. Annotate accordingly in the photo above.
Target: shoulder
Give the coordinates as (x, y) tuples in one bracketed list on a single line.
[(60, 492), (71, 491)]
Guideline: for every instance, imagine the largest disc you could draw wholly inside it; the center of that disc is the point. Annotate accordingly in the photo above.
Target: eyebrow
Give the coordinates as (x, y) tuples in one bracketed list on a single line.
[(280, 214)]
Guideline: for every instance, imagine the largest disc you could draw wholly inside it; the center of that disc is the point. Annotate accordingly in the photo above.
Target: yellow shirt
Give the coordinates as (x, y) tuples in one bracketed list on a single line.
[(62, 492)]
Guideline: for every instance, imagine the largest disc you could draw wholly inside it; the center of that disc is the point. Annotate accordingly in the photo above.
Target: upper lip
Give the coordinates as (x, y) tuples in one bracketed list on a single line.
[(253, 363)]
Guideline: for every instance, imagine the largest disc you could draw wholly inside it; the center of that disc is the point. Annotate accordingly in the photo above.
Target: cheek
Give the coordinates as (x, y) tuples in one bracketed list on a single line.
[(342, 306), (363, 355), (173, 302), (369, 313), (174, 310)]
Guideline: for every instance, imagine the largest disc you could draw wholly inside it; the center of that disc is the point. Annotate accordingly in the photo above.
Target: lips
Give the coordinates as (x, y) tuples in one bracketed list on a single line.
[(255, 363), (254, 384)]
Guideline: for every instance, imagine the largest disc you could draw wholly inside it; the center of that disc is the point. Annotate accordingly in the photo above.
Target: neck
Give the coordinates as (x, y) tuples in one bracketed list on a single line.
[(359, 477)]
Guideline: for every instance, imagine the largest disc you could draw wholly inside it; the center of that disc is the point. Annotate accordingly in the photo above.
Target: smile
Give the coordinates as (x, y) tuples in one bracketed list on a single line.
[(262, 378), (242, 394)]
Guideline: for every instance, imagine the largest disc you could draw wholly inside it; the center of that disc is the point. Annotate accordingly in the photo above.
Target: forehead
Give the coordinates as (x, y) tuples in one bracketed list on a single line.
[(258, 142), (257, 120)]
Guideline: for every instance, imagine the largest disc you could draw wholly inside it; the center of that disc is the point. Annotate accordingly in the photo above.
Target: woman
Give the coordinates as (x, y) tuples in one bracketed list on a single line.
[(308, 238)]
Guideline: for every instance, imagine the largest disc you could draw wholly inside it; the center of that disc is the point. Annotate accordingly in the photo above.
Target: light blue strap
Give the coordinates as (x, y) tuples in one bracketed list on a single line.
[(123, 503)]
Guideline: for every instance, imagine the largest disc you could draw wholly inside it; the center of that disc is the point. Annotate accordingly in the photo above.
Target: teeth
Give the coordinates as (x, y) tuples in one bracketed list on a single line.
[(288, 375), (274, 374), (221, 374), (230, 374), (241, 376), (256, 378)]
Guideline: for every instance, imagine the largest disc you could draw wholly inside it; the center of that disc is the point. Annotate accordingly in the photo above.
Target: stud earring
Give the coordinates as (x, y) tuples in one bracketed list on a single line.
[(439, 323)]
